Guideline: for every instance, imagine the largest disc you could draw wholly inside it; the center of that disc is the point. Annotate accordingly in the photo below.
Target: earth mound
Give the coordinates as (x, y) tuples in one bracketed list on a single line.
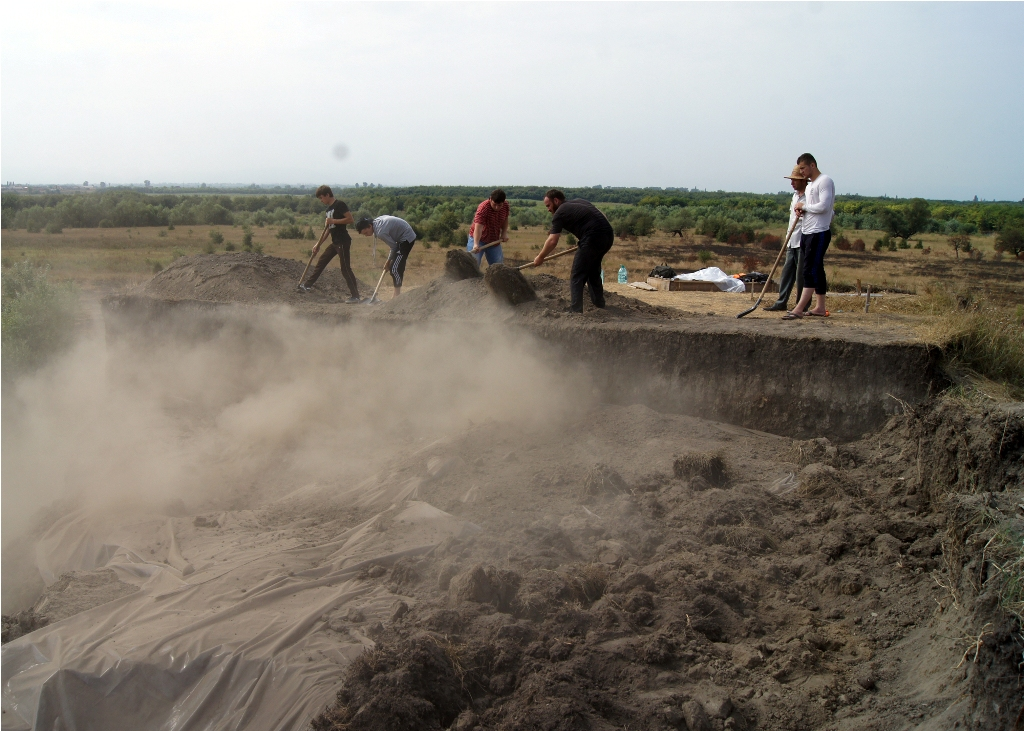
[(246, 278), (471, 299)]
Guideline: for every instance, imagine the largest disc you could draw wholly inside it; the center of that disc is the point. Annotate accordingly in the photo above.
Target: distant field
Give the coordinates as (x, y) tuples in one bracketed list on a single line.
[(110, 259)]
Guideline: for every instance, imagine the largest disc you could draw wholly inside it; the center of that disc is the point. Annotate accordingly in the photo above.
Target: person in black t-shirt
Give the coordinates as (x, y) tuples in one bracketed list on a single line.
[(582, 219), (338, 218)]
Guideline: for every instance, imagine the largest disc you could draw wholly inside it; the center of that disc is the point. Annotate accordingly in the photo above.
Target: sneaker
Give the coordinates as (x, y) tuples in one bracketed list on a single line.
[(353, 300), (776, 307)]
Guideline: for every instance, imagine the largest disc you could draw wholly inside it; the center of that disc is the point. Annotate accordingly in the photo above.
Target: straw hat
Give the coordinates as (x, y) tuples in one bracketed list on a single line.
[(795, 175)]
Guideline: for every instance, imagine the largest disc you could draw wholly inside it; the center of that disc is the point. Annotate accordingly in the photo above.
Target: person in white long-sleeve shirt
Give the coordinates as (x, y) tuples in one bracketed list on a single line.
[(792, 272), (816, 219)]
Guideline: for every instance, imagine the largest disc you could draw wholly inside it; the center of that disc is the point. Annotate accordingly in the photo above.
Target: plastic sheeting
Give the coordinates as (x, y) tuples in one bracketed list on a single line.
[(244, 633), (713, 274)]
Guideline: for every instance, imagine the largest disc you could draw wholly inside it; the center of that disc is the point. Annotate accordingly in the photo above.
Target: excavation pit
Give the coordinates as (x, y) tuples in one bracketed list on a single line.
[(627, 479)]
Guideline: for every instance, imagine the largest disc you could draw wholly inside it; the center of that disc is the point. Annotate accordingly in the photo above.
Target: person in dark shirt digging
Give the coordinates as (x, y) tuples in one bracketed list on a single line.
[(582, 219), (338, 218)]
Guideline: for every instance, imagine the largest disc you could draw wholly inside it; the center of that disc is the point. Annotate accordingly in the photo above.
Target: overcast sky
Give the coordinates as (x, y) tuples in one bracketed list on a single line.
[(896, 99)]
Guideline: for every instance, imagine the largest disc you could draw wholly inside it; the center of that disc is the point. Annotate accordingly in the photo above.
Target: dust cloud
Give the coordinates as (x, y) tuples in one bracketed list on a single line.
[(253, 409)]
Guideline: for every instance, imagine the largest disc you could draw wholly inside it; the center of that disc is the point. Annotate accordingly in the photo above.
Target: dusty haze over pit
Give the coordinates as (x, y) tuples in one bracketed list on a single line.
[(266, 406)]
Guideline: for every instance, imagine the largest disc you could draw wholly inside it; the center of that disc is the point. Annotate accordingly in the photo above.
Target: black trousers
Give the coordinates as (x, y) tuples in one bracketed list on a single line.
[(341, 250), (792, 272), (398, 258), (815, 245), (586, 269)]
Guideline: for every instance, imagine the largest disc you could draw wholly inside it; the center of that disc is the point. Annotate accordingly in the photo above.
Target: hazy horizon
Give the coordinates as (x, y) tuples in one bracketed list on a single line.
[(896, 99)]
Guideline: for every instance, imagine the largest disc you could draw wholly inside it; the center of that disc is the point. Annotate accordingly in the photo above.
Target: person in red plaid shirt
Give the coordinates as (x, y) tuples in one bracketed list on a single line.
[(490, 224)]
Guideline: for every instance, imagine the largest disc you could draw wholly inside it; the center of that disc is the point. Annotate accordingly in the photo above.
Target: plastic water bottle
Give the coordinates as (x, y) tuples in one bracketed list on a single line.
[(623, 275)]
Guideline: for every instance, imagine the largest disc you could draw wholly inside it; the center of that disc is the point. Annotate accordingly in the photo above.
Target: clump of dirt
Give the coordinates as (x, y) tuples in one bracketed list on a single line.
[(77, 591), (509, 285), (460, 264), (667, 602), (16, 625), (246, 278)]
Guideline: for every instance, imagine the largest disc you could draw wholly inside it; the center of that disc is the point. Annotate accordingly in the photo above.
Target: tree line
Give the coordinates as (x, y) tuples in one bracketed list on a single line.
[(439, 213)]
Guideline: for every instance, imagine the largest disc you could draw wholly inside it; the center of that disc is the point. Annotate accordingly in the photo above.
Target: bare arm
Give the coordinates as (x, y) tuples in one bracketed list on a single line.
[(549, 246), (475, 230)]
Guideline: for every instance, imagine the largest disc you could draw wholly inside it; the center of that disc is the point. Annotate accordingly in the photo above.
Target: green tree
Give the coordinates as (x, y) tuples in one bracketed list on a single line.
[(905, 221)]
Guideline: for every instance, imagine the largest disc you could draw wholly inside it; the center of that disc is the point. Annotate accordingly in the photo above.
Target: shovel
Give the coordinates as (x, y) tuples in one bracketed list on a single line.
[(303, 277), (373, 298), (769, 279)]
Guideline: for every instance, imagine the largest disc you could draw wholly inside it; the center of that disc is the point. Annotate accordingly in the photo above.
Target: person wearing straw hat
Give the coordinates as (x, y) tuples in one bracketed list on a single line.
[(792, 270), (816, 233)]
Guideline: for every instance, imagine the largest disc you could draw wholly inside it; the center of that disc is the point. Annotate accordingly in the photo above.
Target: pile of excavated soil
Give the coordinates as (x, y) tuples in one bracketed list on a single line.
[(246, 278), (471, 299), (748, 582)]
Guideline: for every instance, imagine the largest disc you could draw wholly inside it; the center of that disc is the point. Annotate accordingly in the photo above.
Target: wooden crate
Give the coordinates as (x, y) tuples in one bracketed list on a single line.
[(676, 285)]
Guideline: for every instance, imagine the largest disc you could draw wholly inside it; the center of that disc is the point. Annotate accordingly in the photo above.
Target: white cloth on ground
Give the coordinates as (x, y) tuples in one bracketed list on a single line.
[(716, 275)]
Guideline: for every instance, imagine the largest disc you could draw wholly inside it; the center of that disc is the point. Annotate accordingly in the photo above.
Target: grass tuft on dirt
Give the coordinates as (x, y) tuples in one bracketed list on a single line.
[(978, 335), (708, 465)]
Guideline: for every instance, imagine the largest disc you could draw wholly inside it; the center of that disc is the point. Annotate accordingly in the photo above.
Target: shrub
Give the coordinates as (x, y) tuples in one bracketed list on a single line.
[(229, 247), (751, 263), (38, 318), (170, 227), (157, 267), (216, 238), (878, 245), (106, 223), (770, 242), (427, 245), (247, 238), (290, 231), (310, 235), (858, 245), (705, 256), (903, 244), (32, 227), (919, 244), (1010, 240), (843, 244), (162, 234), (209, 248), (54, 228), (959, 242)]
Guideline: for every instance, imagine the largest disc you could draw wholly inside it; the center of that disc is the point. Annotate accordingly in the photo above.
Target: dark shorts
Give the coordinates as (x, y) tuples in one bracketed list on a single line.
[(815, 245)]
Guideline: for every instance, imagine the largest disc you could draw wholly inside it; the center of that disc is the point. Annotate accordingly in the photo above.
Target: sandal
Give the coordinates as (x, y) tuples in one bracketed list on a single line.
[(792, 316), (815, 314)]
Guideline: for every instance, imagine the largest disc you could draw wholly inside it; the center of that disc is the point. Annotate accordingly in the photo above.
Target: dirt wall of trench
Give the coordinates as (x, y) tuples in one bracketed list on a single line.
[(800, 387), (796, 387)]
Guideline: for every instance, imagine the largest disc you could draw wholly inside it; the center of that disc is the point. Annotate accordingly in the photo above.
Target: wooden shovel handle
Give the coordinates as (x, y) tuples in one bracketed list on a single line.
[(553, 256)]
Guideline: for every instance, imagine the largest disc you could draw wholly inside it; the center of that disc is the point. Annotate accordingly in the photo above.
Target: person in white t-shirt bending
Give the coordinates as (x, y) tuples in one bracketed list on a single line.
[(815, 222), (792, 270)]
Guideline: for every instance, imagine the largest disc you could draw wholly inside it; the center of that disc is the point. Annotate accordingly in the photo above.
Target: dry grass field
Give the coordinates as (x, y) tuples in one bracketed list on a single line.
[(109, 259)]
